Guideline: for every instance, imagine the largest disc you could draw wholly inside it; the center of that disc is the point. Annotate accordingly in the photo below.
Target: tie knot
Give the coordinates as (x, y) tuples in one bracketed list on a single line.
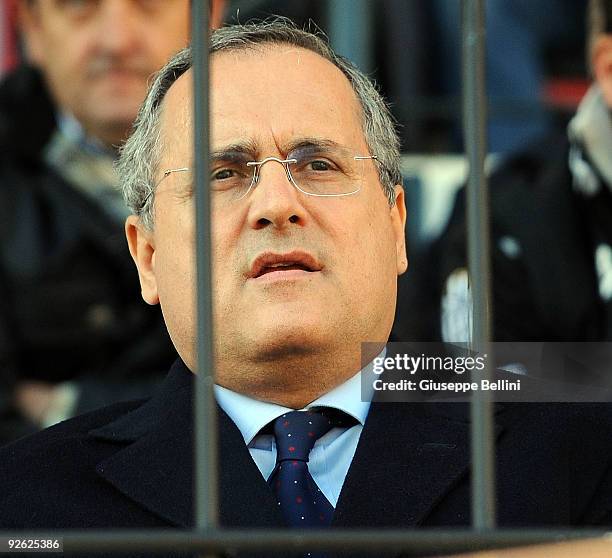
[(296, 433)]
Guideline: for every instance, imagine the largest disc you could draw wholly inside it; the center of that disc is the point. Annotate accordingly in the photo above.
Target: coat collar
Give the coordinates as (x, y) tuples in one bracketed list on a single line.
[(27, 114), (408, 457), (155, 466)]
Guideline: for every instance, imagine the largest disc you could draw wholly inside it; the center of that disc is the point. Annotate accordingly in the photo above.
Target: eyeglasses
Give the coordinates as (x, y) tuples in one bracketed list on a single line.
[(315, 170)]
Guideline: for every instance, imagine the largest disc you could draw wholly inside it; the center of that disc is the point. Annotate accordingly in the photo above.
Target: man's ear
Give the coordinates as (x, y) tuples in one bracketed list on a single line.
[(30, 28), (398, 217), (602, 65), (142, 248)]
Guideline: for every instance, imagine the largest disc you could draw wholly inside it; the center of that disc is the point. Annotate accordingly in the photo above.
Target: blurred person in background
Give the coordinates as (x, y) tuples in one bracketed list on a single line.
[(551, 226), (69, 305), (527, 44)]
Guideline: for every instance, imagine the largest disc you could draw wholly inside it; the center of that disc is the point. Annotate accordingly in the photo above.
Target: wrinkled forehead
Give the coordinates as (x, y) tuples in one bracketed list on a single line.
[(269, 96)]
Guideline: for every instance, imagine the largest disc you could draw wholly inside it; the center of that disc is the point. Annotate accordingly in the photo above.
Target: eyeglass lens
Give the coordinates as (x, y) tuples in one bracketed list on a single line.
[(320, 172)]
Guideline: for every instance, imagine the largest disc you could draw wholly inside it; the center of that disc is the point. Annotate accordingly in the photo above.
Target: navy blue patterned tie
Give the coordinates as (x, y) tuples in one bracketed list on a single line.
[(300, 500)]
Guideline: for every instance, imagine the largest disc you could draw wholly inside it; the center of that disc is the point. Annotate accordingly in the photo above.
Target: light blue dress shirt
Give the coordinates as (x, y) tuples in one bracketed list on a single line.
[(332, 454)]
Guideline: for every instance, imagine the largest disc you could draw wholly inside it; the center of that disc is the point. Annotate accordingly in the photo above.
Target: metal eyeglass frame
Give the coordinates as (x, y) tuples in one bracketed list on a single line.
[(256, 173), (286, 162)]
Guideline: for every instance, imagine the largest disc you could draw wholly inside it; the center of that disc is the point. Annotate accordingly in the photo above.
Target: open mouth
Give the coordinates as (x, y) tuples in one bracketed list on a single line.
[(274, 263), (282, 267)]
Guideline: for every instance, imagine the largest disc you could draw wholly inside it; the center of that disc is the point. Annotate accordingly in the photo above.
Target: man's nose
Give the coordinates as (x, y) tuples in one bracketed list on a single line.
[(117, 29), (274, 200)]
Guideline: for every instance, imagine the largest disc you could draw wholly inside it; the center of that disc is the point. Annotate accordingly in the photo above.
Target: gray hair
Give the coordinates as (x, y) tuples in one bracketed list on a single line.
[(139, 157)]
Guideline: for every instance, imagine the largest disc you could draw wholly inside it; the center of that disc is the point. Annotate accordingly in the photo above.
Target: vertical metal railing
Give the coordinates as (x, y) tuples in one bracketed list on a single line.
[(477, 206), (205, 428), (349, 20)]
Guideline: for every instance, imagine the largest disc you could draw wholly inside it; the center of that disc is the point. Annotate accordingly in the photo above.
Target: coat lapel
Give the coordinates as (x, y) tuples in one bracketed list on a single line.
[(408, 458), (246, 498), (155, 468)]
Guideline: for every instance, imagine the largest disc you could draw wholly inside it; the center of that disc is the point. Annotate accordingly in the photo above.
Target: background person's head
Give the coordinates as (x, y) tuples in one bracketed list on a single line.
[(600, 45), (97, 55), (286, 335)]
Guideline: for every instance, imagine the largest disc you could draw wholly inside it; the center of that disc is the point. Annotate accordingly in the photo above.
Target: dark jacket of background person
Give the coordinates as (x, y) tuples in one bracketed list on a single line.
[(551, 232), (69, 297), (132, 466), (544, 281), (548, 248)]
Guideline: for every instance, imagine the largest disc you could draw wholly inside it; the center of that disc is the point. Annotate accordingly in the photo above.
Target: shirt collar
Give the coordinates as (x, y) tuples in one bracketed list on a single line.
[(72, 129), (251, 415)]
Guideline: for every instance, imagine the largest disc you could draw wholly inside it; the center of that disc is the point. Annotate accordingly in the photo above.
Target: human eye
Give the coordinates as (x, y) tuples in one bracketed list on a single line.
[(316, 162), (77, 9), (320, 165), (228, 176), (223, 174)]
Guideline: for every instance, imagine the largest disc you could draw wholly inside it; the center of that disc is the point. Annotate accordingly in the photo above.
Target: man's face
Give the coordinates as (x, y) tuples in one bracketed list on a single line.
[(97, 55), (602, 65), (269, 99)]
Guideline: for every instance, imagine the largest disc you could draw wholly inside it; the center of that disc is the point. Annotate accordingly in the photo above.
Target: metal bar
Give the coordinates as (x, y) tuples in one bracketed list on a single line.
[(351, 31), (474, 119), (416, 542), (205, 497)]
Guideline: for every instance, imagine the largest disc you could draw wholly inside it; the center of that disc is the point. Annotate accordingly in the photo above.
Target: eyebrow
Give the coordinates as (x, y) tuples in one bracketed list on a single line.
[(251, 149), (233, 150), (320, 144)]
